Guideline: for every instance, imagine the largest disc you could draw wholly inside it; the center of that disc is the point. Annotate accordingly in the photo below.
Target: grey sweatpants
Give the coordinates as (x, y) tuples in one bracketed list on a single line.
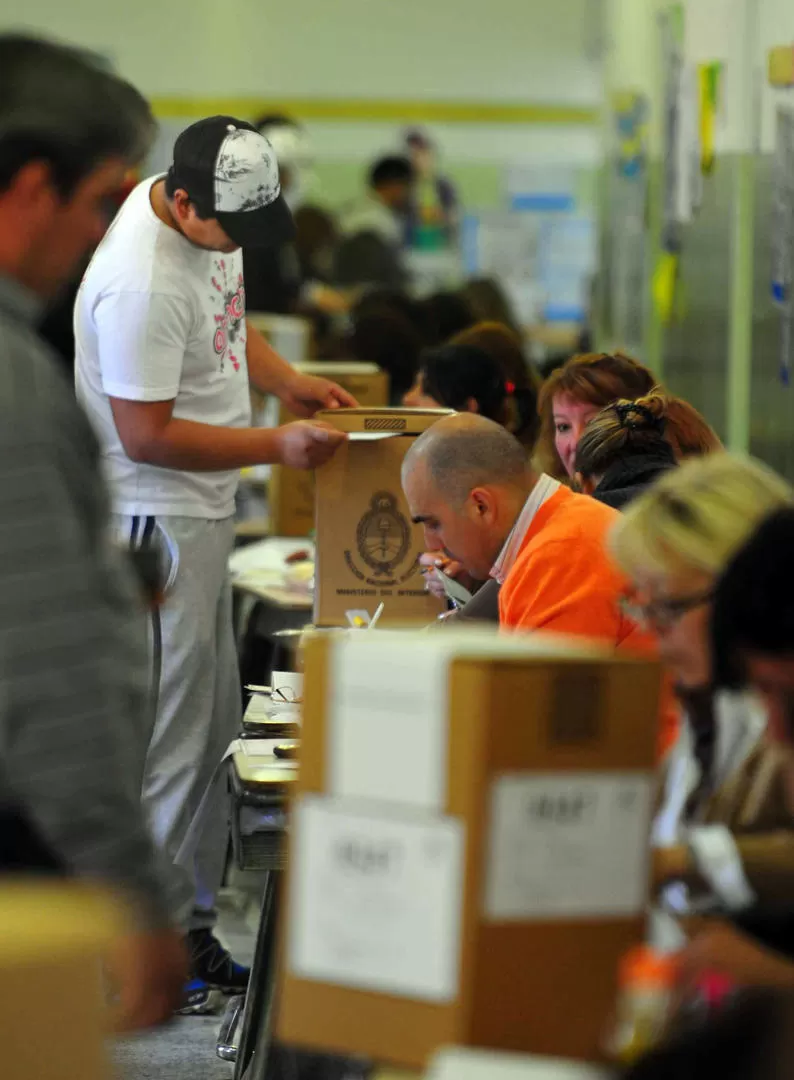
[(197, 706)]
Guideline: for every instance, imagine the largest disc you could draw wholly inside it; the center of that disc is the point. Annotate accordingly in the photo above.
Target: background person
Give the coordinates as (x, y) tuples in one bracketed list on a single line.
[(289, 278), (164, 361), (433, 214), (387, 330), (574, 393), (722, 832), (273, 277), (504, 346), (628, 445), (370, 249), (466, 378), (489, 303), (74, 702), (623, 450)]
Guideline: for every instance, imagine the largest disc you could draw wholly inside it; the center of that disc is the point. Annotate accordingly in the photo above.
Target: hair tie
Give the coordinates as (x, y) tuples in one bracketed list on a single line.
[(510, 389), (624, 413)]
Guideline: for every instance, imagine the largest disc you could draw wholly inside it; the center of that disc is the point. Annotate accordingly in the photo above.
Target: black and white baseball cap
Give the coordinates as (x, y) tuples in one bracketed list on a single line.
[(230, 172)]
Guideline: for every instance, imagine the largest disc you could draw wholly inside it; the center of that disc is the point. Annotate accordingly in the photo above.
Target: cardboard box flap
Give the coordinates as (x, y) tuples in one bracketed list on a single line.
[(399, 421)]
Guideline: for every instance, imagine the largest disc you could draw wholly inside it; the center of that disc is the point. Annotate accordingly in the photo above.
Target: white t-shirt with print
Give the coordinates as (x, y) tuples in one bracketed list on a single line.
[(159, 319)]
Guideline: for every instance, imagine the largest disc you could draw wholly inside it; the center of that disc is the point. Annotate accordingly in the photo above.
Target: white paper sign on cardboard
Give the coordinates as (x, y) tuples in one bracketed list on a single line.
[(388, 730), (388, 707), (376, 901), (568, 845)]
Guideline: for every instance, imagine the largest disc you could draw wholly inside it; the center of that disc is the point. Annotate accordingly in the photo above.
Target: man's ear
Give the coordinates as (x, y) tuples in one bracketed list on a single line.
[(181, 204), (483, 501), (33, 187)]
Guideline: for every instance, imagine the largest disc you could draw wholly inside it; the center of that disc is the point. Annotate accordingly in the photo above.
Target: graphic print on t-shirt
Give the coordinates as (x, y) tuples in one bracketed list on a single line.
[(231, 296)]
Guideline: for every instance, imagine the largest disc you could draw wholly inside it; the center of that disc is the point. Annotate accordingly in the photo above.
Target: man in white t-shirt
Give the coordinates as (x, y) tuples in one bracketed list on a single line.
[(164, 356)]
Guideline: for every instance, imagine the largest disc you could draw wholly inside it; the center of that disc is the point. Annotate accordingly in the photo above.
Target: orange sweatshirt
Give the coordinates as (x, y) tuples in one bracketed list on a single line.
[(564, 581)]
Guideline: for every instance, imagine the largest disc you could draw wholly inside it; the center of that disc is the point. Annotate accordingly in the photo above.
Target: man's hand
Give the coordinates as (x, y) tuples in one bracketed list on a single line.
[(304, 395), (148, 972), (305, 445), (721, 949), (436, 560)]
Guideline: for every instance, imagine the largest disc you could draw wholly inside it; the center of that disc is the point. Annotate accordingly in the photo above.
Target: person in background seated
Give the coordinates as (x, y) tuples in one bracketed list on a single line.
[(574, 393), (469, 484), (386, 329), (490, 304), (623, 450), (277, 279), (630, 444), (504, 346), (445, 314), (721, 834), (370, 248), (688, 432), (467, 379)]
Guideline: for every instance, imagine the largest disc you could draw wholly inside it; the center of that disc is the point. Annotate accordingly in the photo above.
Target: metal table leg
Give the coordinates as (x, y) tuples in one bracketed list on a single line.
[(255, 1034)]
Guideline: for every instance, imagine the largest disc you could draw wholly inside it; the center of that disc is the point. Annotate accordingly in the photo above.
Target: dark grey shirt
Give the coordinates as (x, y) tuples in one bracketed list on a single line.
[(73, 710)]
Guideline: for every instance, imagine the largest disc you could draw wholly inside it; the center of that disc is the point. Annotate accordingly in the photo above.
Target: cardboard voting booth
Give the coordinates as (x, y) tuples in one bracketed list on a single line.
[(367, 547), (468, 855), (291, 491)]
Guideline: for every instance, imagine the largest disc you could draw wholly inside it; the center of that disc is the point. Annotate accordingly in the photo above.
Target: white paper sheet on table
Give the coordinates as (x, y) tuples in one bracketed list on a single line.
[(376, 901), (267, 555), (567, 845), (261, 708)]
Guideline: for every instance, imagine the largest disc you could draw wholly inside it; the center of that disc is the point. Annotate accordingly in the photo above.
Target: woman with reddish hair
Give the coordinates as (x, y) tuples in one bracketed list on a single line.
[(574, 393)]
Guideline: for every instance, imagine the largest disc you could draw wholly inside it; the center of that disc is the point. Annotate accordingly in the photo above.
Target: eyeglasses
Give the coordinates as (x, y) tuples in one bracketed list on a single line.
[(663, 614)]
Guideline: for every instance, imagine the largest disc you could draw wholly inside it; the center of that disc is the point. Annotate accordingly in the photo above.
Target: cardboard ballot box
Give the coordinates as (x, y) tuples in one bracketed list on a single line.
[(54, 938), (367, 547), (469, 843), (291, 491)]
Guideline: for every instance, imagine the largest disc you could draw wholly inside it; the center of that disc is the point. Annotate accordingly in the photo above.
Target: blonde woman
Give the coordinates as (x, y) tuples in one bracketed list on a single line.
[(721, 834)]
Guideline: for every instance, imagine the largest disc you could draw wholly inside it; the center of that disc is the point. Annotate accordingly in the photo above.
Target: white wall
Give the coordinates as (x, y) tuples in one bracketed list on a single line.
[(726, 30), (775, 27), (516, 50), (714, 30)]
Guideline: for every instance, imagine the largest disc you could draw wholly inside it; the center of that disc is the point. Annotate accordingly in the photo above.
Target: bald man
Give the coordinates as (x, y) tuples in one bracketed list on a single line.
[(469, 483)]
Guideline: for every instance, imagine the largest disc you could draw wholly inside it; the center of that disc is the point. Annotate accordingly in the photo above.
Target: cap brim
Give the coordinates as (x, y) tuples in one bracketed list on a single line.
[(269, 226)]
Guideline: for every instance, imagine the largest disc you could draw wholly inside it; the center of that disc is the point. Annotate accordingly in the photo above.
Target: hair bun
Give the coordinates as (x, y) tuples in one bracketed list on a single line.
[(634, 416)]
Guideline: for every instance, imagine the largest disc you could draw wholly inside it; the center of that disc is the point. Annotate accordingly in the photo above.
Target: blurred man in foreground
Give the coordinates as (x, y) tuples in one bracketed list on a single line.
[(71, 713)]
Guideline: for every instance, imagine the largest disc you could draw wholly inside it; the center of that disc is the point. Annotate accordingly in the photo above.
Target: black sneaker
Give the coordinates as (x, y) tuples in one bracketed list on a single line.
[(213, 964), (198, 999)]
